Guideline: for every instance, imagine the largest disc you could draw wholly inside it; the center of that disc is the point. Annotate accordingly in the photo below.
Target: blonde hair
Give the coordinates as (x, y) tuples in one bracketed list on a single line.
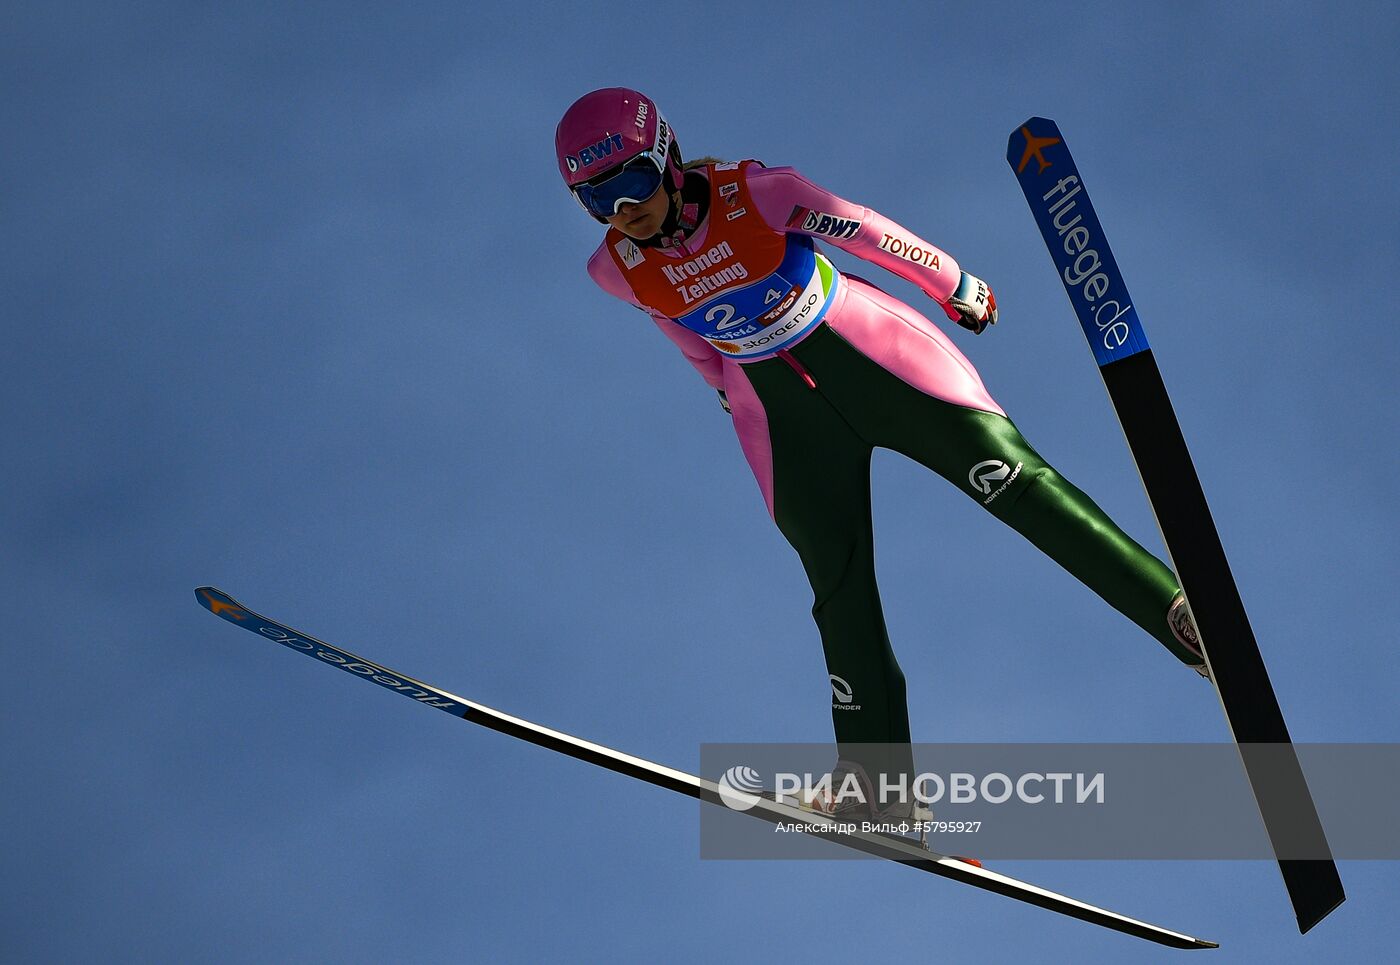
[(700, 162)]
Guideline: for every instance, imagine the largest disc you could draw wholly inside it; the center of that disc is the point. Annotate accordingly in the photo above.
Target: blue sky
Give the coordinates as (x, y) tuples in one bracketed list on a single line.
[(295, 305)]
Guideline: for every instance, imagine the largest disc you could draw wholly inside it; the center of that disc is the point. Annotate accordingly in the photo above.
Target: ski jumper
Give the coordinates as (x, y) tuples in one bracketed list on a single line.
[(820, 368)]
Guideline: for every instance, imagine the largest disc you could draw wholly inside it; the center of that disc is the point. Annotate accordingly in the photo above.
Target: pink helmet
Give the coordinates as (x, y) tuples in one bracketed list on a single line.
[(607, 128)]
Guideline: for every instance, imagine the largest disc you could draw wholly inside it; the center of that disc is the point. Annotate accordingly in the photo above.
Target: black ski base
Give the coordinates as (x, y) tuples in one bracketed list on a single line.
[(1237, 667)]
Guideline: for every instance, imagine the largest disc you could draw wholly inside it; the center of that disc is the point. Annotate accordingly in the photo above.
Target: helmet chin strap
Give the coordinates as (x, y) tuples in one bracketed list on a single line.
[(682, 218), (681, 221)]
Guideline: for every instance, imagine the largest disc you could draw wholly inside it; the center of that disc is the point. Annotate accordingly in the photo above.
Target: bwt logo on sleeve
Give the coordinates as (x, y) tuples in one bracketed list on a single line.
[(821, 223)]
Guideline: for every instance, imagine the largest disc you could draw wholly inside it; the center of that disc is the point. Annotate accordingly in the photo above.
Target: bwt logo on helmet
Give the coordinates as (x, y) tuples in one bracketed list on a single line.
[(594, 152)]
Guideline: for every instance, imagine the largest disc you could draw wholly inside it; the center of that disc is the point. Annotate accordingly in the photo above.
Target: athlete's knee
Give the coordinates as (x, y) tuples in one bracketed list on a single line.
[(1038, 486), (1043, 478), (839, 567), (833, 551)]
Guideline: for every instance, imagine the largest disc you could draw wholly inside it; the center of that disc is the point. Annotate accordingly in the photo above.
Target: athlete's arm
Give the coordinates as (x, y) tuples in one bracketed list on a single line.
[(789, 202), (700, 353)]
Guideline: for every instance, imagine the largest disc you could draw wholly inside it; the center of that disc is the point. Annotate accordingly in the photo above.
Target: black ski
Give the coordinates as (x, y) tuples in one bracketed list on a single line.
[(1057, 197), (906, 852)]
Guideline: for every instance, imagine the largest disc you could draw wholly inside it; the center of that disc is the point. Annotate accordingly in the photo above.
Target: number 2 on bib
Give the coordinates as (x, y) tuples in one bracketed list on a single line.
[(725, 315)]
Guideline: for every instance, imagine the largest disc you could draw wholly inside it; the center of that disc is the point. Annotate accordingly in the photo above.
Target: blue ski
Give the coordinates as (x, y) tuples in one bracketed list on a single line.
[(1060, 203), (906, 852)]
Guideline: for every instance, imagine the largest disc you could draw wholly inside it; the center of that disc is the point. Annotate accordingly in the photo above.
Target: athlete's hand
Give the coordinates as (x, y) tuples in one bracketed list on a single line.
[(972, 305), (724, 400)]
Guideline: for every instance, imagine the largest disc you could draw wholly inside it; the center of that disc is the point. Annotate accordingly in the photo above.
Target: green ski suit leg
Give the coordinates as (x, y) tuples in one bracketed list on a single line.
[(827, 519), (822, 441)]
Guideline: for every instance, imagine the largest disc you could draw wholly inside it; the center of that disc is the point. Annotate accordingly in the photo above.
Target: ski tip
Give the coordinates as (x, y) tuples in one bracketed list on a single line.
[(220, 604), (1036, 123), (1029, 140)]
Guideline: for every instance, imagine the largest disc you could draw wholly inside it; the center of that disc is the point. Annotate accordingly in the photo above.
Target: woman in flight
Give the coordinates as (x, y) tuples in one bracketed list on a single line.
[(817, 368)]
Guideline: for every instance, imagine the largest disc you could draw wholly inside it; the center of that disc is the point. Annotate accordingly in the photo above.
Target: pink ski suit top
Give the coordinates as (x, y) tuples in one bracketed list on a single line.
[(879, 326)]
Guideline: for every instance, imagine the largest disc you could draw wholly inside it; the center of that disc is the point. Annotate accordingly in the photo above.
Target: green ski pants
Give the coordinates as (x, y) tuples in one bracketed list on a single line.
[(822, 439)]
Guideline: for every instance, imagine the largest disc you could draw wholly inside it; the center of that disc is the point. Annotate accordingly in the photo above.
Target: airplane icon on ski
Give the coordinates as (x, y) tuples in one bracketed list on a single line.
[(1034, 147), (219, 604)]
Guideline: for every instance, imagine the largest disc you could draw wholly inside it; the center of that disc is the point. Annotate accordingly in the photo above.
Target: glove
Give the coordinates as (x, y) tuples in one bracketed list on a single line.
[(724, 401), (972, 305)]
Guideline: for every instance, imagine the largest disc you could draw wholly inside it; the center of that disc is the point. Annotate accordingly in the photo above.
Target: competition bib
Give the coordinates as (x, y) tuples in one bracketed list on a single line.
[(752, 291)]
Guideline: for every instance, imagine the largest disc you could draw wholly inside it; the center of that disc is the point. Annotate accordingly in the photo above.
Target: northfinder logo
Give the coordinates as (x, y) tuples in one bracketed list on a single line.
[(842, 694)]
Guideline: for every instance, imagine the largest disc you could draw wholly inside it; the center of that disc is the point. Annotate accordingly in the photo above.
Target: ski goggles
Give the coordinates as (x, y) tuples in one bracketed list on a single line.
[(634, 182)]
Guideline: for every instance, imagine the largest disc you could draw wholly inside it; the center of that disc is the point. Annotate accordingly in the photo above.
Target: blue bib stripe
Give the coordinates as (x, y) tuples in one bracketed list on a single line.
[(756, 320)]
